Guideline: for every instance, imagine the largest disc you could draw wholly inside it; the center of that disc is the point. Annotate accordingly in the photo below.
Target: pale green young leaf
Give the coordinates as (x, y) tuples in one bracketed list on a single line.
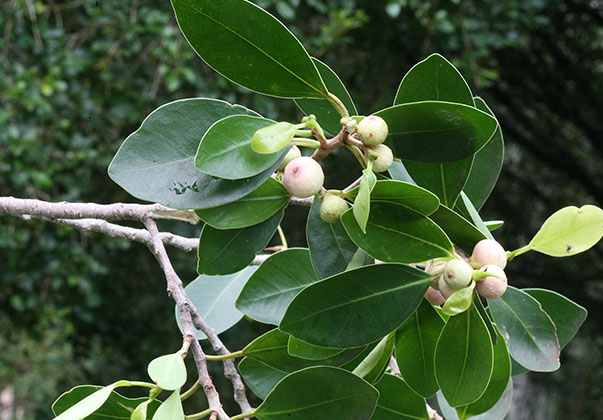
[(362, 203), (171, 408), (273, 138), (459, 301), (168, 371)]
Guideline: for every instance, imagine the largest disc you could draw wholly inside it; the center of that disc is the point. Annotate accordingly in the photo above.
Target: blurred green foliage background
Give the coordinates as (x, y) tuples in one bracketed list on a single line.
[(77, 76)]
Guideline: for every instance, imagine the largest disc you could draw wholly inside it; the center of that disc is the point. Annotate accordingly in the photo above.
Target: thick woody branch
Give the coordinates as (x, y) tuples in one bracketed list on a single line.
[(329, 145)]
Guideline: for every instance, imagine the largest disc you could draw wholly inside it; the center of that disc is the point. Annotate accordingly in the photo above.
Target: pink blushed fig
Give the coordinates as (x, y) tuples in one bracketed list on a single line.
[(303, 177), (372, 130), (488, 251), (457, 274), (293, 153), (434, 296), (492, 287)]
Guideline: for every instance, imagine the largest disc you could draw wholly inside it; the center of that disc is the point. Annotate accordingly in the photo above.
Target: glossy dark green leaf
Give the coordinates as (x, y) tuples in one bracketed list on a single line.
[(362, 202), (168, 371), (228, 251), (395, 233), (372, 367), (273, 138), (397, 401), (416, 342), (156, 162), (303, 350), (82, 408), (326, 114), (464, 358), (404, 193), (486, 165), (501, 374), (250, 210), (115, 407), (328, 393), (569, 231), (259, 377), (356, 307), (445, 180), (275, 283), (567, 316), (460, 230), (214, 297), (498, 412), (437, 132), (171, 408), (225, 35), (434, 78), (459, 301), (529, 332), (398, 172), (331, 249), (271, 349), (465, 207), (225, 150)]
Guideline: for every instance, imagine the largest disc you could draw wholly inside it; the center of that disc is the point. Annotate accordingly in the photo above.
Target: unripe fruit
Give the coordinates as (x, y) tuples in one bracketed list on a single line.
[(457, 274), (293, 153), (385, 159), (332, 207), (372, 130), (488, 251), (492, 287), (445, 290), (303, 177), (434, 296)]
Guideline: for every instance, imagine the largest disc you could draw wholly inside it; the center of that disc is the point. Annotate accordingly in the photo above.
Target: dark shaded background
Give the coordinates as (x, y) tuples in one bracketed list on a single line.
[(76, 77)]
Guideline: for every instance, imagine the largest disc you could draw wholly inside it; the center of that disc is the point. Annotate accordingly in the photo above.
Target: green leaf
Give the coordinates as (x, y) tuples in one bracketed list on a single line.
[(466, 207), (459, 301), (372, 367), (569, 231), (168, 371), (487, 164), (116, 406), (434, 78), (492, 225), (250, 210), (273, 138), (303, 350), (140, 412), (399, 173), (398, 402), (464, 358), (360, 259), (259, 377), (498, 412), (459, 229), (362, 203), (326, 114), (228, 251), (501, 374), (395, 233), (437, 132), (214, 297), (86, 406), (529, 332), (331, 249), (275, 283), (156, 162), (445, 180), (225, 35), (415, 348), (404, 193), (225, 150), (370, 302), (328, 393), (567, 316), (271, 349), (171, 408)]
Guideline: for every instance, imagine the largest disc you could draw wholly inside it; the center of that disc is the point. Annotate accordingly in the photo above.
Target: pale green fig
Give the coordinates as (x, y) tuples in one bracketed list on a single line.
[(372, 130), (332, 207), (457, 274), (385, 159)]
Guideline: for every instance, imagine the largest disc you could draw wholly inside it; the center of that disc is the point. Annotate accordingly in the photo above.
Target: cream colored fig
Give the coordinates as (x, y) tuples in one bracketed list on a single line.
[(372, 130), (303, 177), (332, 207), (385, 159), (444, 289), (488, 251), (492, 287), (457, 274), (293, 153)]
